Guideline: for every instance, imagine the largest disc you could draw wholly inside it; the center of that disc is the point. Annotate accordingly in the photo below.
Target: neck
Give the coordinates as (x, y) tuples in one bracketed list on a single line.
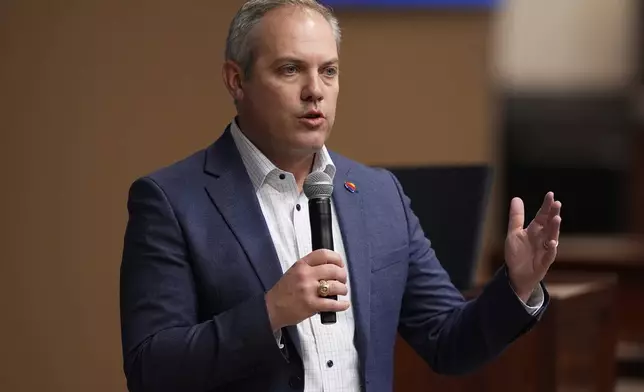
[(300, 165)]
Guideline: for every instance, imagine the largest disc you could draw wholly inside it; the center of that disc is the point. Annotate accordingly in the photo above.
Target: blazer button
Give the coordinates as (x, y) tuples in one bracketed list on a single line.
[(296, 382)]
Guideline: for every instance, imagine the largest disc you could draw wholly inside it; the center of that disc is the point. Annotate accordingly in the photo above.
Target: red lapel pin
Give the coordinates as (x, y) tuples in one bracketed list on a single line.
[(351, 187)]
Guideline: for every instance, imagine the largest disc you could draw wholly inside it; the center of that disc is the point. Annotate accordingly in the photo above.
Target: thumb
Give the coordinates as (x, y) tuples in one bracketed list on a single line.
[(517, 215)]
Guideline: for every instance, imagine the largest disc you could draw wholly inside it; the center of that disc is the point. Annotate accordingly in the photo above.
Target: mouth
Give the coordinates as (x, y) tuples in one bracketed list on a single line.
[(313, 119), (313, 114)]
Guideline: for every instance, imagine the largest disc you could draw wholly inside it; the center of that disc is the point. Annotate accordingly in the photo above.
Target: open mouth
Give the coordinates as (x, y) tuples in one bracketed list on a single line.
[(313, 120), (313, 115)]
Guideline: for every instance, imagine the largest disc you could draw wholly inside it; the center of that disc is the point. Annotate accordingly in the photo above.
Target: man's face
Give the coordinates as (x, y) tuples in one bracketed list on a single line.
[(289, 98)]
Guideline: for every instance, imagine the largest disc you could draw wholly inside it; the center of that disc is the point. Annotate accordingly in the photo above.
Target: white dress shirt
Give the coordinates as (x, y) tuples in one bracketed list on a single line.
[(329, 356), (328, 353)]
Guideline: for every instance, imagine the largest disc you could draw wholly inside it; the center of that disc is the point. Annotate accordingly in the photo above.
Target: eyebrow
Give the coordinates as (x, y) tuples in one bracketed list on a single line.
[(297, 61)]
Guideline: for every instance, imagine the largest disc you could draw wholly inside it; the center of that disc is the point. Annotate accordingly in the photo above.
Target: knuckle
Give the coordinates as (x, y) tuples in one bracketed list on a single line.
[(303, 285), (318, 257), (335, 256), (308, 259), (302, 272), (299, 274)]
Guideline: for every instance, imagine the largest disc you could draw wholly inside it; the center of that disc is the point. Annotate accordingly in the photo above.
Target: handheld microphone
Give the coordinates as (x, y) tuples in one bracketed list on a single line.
[(318, 187)]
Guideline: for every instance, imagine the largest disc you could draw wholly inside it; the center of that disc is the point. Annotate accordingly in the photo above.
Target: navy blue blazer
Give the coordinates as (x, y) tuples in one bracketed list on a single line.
[(198, 259)]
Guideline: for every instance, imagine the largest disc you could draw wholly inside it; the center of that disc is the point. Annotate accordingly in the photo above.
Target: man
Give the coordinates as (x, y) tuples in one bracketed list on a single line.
[(219, 288)]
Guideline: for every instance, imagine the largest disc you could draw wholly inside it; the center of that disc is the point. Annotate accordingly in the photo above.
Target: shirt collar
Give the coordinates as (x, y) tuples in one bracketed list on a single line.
[(259, 166)]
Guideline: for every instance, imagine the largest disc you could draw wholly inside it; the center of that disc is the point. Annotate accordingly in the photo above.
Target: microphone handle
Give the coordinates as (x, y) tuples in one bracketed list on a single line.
[(322, 238)]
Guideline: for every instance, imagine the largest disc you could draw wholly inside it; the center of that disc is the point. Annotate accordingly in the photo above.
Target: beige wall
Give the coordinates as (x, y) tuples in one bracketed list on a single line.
[(560, 45), (96, 93)]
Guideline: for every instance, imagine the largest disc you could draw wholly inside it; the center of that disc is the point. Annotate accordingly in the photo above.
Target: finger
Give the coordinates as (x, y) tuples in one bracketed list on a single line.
[(550, 255), (554, 222), (330, 305), (551, 242), (323, 256), (337, 288), (329, 272), (548, 258), (544, 211), (517, 215), (554, 210), (554, 227)]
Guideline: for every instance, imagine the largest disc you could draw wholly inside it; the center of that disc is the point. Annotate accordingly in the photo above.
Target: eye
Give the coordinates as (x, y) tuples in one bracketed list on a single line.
[(289, 69), (330, 71)]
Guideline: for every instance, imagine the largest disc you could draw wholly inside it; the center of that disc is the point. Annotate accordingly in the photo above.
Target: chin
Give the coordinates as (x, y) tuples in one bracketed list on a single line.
[(317, 142), (304, 148), (308, 148), (312, 137)]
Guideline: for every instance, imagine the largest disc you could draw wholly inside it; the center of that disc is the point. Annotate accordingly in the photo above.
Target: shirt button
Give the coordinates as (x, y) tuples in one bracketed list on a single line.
[(329, 363), (282, 176), (299, 207)]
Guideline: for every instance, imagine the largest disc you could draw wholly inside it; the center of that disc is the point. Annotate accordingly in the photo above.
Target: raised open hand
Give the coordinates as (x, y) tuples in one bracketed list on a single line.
[(530, 251)]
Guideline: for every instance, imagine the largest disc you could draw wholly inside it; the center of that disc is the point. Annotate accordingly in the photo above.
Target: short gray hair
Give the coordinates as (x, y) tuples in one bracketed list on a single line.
[(239, 47)]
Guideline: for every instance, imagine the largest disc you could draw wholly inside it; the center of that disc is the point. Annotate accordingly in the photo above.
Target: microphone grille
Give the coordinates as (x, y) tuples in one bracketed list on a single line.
[(318, 185)]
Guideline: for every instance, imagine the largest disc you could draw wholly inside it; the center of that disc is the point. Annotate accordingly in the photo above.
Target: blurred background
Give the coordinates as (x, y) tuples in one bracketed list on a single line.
[(547, 95)]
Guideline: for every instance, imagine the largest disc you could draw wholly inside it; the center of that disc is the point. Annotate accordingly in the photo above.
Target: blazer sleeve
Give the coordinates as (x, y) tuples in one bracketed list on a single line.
[(455, 336), (165, 347)]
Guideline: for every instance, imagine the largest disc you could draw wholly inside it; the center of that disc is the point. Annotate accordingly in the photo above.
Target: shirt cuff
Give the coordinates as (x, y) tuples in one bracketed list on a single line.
[(535, 302), (278, 338)]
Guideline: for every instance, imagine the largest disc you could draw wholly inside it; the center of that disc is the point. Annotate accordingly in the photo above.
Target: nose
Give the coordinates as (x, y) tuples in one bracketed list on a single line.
[(312, 91)]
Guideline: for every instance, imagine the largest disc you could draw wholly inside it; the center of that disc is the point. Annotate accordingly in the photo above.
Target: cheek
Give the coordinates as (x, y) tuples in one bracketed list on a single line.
[(332, 100), (268, 101), (332, 92), (279, 89), (281, 100)]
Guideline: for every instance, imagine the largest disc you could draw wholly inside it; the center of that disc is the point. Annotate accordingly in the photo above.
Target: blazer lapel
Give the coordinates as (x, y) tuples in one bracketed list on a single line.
[(351, 217), (233, 194)]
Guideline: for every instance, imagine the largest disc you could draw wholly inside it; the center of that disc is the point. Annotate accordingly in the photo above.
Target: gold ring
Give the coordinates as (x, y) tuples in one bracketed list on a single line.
[(323, 288)]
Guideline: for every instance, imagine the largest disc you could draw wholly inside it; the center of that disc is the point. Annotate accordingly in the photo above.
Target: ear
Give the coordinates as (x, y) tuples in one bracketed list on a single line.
[(232, 75)]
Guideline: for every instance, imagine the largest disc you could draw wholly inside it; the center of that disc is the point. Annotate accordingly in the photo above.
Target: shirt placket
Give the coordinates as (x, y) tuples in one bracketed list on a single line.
[(324, 336), (302, 230)]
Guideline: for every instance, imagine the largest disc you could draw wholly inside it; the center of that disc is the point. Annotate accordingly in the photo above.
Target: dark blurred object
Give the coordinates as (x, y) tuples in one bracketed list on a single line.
[(620, 255), (577, 145), (450, 202), (571, 349), (588, 149)]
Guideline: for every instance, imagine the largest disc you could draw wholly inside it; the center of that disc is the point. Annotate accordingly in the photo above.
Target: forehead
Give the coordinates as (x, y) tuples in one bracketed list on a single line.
[(295, 32)]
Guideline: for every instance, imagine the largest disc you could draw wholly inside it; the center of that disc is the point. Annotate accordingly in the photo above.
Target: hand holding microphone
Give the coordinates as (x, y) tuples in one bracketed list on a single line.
[(318, 187), (300, 293), (295, 296)]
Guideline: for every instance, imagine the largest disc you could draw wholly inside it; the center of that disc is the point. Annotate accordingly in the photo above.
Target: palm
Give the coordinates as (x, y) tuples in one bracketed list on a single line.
[(530, 251)]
